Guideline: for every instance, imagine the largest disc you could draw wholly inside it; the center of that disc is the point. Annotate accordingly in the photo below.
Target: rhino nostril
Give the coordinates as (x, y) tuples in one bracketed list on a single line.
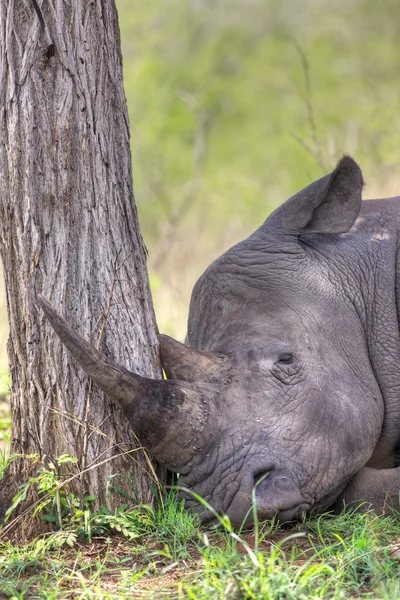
[(277, 493), (260, 477)]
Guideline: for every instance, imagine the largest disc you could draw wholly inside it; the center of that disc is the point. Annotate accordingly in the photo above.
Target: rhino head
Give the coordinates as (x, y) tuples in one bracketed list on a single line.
[(273, 396)]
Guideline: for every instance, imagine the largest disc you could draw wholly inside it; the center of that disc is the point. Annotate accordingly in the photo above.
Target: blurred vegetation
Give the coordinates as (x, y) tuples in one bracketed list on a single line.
[(237, 104)]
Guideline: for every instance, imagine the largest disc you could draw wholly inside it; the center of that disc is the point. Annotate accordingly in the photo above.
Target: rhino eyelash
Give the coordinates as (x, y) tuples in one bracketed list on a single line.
[(285, 359)]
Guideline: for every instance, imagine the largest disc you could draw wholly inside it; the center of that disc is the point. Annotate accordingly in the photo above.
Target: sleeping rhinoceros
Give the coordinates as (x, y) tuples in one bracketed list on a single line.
[(288, 389)]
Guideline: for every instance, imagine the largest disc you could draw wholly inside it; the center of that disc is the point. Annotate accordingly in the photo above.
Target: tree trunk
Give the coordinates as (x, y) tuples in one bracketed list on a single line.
[(69, 230)]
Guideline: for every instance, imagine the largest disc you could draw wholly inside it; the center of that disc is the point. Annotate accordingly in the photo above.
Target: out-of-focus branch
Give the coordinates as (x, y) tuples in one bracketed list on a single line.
[(314, 149), (180, 209)]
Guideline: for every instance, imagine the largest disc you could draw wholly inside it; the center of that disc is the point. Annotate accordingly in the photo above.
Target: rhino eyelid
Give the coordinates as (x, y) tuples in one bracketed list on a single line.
[(286, 358)]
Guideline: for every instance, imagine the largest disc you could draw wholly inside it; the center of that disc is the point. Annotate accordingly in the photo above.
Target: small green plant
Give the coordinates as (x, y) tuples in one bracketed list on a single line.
[(65, 510), (131, 523), (55, 504)]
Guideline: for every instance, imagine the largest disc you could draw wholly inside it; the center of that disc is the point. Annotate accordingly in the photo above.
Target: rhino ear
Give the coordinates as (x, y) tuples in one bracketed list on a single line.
[(329, 205), (187, 364)]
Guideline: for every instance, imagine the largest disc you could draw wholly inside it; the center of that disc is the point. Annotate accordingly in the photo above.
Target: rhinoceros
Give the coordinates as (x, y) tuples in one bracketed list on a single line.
[(286, 393)]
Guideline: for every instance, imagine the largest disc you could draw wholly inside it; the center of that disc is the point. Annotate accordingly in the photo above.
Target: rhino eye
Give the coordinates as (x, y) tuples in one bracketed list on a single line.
[(285, 359)]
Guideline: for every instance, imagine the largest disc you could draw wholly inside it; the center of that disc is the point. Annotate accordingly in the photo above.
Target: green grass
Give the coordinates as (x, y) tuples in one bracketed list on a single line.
[(171, 556), (140, 552)]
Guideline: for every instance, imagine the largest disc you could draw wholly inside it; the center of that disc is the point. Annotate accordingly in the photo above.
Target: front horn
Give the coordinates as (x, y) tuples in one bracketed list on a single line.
[(168, 416)]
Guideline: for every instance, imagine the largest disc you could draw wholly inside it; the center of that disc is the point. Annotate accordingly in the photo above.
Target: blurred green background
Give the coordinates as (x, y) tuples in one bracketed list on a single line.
[(237, 104), (234, 106)]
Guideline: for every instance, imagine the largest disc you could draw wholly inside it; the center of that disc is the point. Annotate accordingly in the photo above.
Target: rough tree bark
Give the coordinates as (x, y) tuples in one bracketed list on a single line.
[(69, 230)]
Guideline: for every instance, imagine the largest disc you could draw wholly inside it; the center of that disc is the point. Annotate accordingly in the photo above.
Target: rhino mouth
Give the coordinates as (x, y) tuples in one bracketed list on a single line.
[(294, 513), (245, 516)]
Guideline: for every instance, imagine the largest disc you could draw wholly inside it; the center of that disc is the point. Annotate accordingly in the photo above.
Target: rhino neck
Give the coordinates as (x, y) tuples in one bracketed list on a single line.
[(365, 264), (384, 344)]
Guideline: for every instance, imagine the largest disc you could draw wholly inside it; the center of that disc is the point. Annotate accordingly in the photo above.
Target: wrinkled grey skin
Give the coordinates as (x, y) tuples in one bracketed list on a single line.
[(290, 392)]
